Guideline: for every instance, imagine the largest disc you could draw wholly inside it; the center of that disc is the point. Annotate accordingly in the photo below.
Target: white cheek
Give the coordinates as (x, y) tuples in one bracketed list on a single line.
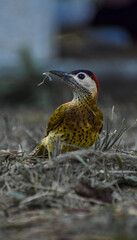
[(90, 85), (87, 83)]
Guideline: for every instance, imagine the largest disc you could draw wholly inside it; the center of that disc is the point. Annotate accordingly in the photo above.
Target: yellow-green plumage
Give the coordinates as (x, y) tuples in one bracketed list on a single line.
[(76, 123)]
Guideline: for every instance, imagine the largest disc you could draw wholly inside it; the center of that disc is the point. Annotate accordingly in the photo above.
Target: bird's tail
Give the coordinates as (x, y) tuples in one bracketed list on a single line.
[(40, 151)]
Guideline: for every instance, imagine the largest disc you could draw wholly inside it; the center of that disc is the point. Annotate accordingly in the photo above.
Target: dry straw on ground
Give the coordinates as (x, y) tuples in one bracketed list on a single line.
[(86, 194)]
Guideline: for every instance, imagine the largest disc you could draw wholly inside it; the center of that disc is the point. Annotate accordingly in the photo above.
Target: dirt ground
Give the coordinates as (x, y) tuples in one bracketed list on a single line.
[(82, 195)]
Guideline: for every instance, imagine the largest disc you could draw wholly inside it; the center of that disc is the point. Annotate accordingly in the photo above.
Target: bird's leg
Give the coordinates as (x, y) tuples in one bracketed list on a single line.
[(55, 150), (57, 147)]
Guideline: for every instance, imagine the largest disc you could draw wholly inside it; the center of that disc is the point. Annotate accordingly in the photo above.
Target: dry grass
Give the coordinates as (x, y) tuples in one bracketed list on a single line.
[(86, 194)]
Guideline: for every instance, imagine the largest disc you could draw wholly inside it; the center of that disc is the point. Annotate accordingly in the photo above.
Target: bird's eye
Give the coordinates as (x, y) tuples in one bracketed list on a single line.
[(81, 75)]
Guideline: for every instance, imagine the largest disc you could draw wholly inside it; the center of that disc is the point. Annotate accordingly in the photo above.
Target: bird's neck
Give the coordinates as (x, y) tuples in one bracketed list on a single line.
[(85, 100)]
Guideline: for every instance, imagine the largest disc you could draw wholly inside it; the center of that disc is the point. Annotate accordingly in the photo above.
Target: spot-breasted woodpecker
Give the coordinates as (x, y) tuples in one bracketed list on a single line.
[(76, 124)]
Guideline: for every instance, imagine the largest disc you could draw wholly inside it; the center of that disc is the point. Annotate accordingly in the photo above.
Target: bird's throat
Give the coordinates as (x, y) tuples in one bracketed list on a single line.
[(89, 100)]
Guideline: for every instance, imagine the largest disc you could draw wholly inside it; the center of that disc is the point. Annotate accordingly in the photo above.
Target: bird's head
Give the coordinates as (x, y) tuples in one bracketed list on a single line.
[(82, 82)]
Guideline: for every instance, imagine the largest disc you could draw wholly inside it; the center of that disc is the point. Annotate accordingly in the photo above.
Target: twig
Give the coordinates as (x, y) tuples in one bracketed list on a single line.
[(46, 74)]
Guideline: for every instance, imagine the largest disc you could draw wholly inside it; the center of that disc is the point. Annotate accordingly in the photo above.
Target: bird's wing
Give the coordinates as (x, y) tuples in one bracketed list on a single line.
[(55, 119)]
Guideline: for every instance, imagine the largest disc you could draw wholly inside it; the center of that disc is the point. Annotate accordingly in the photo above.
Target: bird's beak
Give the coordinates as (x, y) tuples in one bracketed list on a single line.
[(69, 81), (66, 77), (63, 75)]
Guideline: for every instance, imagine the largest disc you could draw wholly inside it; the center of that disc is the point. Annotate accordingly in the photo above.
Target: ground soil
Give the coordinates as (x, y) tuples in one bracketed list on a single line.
[(87, 194)]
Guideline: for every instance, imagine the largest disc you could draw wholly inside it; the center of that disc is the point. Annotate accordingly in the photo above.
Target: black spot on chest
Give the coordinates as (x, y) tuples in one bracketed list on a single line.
[(90, 116), (78, 116)]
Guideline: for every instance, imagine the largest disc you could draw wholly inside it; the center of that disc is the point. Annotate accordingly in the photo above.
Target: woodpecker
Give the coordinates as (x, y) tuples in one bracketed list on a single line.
[(76, 124)]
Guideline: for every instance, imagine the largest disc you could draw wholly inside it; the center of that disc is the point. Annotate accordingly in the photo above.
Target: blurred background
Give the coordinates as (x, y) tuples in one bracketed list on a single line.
[(38, 36)]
